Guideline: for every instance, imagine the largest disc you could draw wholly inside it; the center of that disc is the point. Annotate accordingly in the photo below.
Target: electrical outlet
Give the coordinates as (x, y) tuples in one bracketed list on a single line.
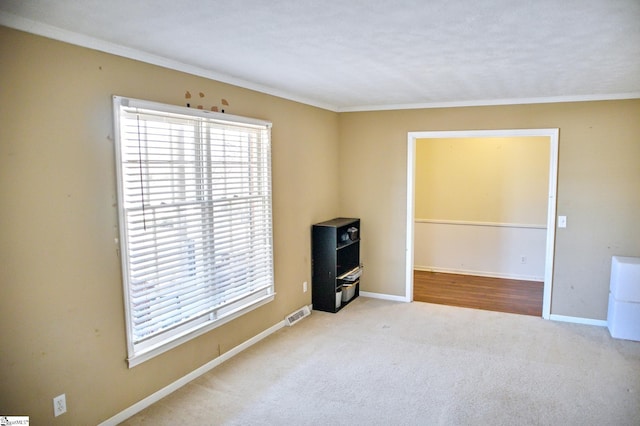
[(523, 259), (305, 287), (59, 405)]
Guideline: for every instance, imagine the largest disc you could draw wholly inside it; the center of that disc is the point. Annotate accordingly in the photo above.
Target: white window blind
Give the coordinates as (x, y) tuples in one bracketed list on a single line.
[(194, 192)]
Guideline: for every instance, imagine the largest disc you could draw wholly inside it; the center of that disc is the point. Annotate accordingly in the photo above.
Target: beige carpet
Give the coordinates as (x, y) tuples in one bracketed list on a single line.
[(388, 363)]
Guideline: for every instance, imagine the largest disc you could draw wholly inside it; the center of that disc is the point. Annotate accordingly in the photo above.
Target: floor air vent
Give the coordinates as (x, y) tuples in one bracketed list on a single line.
[(297, 315)]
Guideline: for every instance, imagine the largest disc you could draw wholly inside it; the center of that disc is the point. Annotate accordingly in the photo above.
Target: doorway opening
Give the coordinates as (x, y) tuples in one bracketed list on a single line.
[(550, 135)]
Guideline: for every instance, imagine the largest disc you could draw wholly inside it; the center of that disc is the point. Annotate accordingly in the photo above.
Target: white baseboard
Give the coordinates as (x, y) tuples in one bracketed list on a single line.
[(478, 273), (384, 296), (155, 397), (552, 317), (578, 320)]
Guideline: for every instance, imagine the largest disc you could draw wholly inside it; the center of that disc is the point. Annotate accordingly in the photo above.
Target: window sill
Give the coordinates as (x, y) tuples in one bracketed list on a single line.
[(154, 351)]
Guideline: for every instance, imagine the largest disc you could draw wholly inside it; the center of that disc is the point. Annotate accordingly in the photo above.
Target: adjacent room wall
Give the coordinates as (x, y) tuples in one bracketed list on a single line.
[(481, 205), (514, 252), (61, 306), (598, 189), (496, 180)]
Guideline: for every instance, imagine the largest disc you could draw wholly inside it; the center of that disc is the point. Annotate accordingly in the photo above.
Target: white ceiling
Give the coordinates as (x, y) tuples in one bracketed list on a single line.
[(348, 55)]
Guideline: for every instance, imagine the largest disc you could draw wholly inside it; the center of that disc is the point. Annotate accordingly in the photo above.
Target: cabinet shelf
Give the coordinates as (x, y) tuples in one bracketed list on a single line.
[(351, 272), (334, 256), (344, 244)]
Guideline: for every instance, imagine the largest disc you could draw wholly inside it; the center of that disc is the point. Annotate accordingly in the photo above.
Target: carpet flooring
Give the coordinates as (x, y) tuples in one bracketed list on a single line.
[(388, 363)]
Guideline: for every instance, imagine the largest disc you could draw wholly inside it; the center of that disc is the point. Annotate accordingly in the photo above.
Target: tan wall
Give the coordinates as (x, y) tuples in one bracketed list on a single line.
[(61, 308), (598, 188), (500, 180)]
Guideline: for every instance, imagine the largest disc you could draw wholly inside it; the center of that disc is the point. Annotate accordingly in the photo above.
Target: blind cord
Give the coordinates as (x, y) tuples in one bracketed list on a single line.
[(144, 216)]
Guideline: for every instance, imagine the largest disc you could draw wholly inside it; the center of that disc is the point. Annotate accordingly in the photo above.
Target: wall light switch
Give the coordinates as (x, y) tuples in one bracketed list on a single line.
[(562, 221)]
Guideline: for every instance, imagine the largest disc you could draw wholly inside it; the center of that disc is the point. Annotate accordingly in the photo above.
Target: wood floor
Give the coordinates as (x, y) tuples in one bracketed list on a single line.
[(492, 294)]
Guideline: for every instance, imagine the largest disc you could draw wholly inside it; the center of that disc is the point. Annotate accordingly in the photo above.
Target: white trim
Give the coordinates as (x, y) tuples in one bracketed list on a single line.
[(164, 347), (19, 23), (551, 133), (497, 133), (220, 117), (551, 223), (578, 320), (156, 396), (23, 24), (494, 102), (478, 273), (411, 196), (383, 296), (474, 223)]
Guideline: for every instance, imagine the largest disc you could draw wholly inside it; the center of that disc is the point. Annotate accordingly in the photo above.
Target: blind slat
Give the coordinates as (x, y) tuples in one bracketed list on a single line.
[(193, 314)]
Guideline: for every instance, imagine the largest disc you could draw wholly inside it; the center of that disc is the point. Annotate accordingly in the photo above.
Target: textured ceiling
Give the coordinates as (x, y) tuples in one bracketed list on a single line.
[(368, 54)]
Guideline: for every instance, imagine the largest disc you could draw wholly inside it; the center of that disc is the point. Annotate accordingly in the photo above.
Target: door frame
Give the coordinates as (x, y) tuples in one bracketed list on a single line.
[(551, 133)]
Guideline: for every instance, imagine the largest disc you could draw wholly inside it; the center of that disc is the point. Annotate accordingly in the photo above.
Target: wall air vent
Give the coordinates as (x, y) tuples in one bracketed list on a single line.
[(297, 316)]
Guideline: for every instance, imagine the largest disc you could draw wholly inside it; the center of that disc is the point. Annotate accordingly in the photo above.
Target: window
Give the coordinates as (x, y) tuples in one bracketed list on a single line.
[(194, 200)]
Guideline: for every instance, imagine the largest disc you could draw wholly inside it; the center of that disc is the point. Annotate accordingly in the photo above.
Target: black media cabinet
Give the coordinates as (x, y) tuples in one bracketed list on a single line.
[(335, 260)]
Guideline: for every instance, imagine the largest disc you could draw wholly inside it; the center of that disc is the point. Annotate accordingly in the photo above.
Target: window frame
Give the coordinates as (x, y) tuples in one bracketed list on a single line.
[(166, 340)]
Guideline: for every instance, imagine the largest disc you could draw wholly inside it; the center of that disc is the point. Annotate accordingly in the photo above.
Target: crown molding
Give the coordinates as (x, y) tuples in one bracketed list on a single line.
[(59, 34), (55, 33), (494, 102)]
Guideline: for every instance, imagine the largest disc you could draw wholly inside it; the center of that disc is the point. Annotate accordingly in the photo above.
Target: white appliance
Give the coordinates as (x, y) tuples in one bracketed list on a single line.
[(623, 318)]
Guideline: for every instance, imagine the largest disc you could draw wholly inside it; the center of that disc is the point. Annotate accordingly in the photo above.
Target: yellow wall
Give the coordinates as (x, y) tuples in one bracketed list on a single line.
[(598, 188), (61, 308), (499, 180)]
